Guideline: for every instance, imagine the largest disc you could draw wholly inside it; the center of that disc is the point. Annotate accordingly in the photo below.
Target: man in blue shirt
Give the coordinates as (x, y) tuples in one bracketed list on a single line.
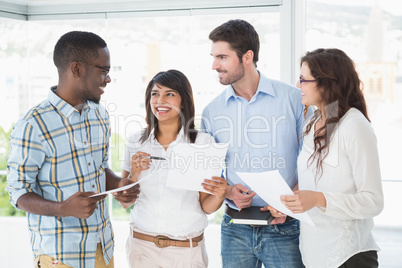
[(262, 120), (59, 158)]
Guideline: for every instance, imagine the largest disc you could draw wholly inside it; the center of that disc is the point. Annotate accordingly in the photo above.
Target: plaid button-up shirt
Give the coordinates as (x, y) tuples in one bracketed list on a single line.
[(56, 152)]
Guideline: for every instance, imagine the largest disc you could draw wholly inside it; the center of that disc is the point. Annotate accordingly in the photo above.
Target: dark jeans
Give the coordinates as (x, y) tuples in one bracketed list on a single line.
[(368, 259)]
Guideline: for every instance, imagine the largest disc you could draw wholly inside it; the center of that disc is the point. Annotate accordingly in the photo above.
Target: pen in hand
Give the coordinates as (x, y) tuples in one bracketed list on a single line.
[(157, 158), (248, 192), (154, 157)]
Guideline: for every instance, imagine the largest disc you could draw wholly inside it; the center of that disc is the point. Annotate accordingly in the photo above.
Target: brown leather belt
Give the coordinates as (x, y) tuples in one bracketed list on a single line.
[(164, 241)]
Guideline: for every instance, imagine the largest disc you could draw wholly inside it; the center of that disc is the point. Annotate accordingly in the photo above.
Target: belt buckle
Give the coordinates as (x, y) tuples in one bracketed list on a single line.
[(161, 237)]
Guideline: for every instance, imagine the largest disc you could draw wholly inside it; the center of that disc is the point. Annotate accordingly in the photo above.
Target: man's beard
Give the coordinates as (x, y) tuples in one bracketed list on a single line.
[(234, 77)]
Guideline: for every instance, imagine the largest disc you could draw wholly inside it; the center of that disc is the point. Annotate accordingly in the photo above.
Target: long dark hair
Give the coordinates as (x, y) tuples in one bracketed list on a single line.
[(340, 88), (176, 80)]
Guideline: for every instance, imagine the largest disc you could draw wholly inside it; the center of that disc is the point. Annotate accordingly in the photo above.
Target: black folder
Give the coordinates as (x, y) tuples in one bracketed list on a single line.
[(250, 215)]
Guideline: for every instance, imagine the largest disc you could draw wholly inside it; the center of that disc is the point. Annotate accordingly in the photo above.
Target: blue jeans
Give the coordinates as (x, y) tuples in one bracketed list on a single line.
[(243, 246)]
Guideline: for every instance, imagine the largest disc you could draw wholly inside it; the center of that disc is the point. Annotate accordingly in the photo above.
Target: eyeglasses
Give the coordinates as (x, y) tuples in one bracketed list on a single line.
[(301, 81), (106, 69)]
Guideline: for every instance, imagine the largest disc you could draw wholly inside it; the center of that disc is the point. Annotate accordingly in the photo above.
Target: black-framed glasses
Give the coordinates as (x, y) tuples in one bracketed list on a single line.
[(301, 81), (106, 69)]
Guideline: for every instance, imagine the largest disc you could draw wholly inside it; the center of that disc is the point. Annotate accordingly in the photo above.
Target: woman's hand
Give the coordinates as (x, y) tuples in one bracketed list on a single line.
[(216, 186), (139, 162), (129, 196), (303, 201)]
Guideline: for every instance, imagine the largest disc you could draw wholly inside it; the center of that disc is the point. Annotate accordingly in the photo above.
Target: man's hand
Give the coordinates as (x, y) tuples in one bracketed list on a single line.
[(216, 186), (279, 216), (241, 195), (129, 196), (80, 205)]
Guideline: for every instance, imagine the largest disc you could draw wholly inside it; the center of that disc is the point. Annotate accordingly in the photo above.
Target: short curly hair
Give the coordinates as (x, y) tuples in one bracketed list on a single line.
[(76, 46)]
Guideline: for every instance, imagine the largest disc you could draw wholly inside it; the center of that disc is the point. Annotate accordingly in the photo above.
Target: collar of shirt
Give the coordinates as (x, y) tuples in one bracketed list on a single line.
[(264, 86), (63, 107), (180, 138)]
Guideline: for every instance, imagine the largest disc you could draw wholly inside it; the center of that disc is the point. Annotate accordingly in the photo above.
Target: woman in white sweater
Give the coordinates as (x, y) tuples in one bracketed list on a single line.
[(167, 224), (338, 167)]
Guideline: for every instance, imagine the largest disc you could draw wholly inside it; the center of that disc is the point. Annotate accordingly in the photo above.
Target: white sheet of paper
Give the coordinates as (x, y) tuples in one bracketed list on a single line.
[(270, 186), (190, 164), (125, 187)]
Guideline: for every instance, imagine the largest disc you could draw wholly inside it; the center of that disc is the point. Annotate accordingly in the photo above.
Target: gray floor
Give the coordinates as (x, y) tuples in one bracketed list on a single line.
[(15, 250), (389, 239)]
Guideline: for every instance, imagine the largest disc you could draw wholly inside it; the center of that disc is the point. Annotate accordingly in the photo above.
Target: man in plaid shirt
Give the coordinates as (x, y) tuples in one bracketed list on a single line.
[(59, 158)]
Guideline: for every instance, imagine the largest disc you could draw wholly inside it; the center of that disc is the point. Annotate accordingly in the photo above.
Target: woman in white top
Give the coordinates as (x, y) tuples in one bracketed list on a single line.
[(338, 167), (167, 224)]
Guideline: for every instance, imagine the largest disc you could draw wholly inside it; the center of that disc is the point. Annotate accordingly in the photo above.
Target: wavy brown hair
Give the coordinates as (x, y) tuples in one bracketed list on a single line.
[(176, 80), (340, 88)]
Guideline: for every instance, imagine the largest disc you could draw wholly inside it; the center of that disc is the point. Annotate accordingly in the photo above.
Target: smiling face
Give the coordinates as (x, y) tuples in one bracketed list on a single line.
[(310, 94), (96, 76), (226, 63), (165, 104)]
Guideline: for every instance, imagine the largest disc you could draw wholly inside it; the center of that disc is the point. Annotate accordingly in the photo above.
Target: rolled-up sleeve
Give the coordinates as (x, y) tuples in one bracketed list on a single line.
[(25, 160)]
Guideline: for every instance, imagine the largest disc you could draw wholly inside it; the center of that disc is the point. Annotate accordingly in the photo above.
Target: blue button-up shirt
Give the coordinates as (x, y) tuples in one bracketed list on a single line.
[(263, 133), (56, 152)]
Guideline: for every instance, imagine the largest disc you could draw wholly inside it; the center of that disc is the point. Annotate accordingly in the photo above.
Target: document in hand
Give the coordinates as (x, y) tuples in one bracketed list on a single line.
[(123, 187), (116, 190), (250, 215), (190, 164), (270, 186)]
